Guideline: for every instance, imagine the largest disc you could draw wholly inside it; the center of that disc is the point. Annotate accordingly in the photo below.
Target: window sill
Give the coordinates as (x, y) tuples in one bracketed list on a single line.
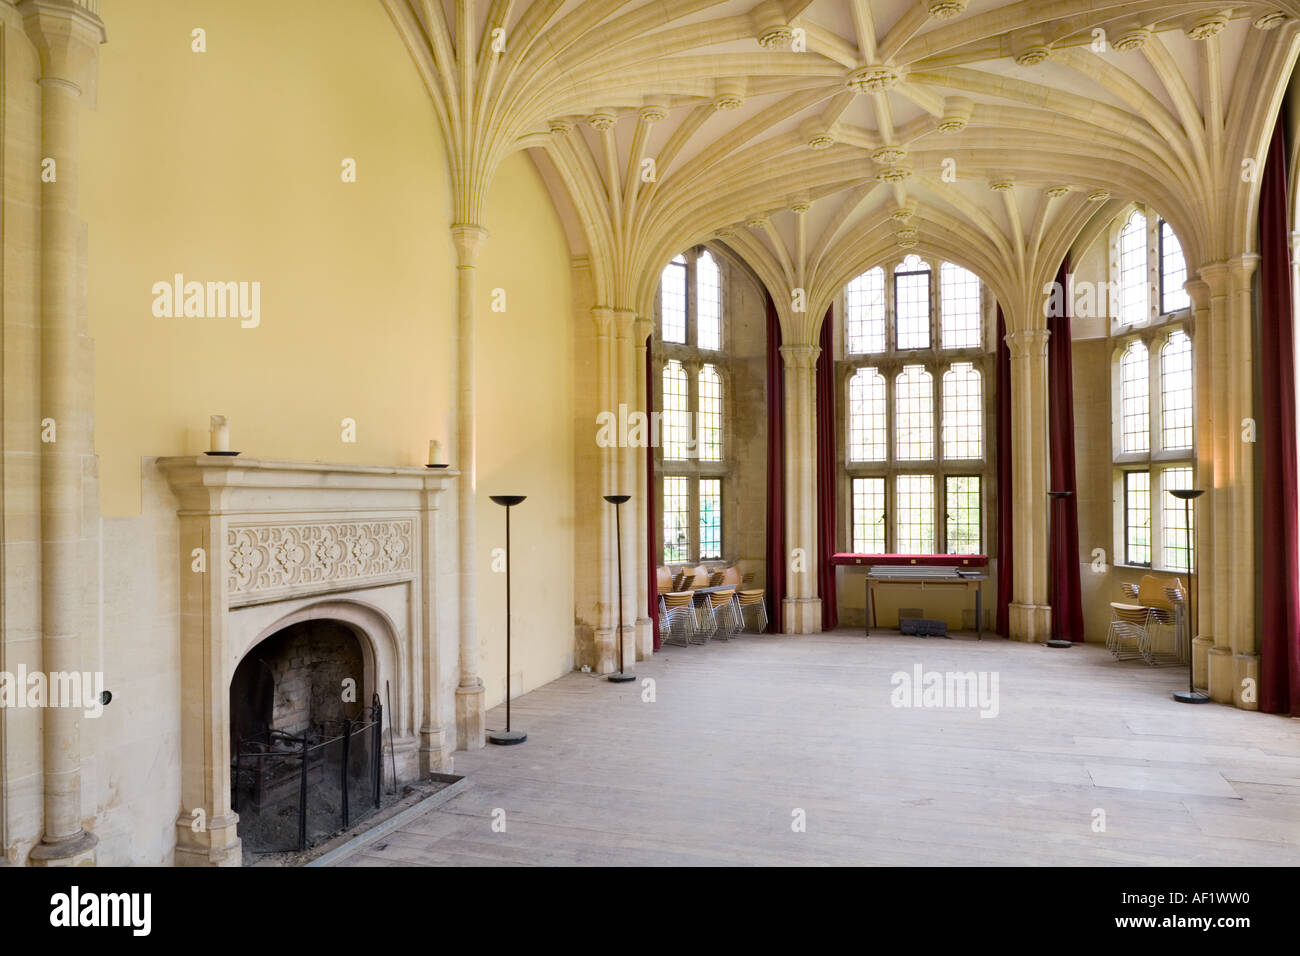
[(1145, 569)]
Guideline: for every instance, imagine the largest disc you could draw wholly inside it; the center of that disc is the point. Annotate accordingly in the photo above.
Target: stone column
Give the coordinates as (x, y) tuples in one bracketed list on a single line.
[(606, 661), (1222, 437), (625, 481), (67, 36), (470, 734), (802, 611), (1030, 613), (1241, 463), (435, 745), (641, 496), (1203, 343)]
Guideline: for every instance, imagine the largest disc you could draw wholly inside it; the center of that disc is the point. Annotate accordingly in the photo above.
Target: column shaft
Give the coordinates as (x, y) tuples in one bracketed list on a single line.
[(802, 611), (641, 496), (1030, 614), (470, 732), (67, 37)]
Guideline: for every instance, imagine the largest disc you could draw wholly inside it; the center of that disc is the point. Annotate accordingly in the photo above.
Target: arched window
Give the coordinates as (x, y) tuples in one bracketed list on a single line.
[(915, 456), (1176, 392), (1153, 399), (1135, 399), (1151, 439), (672, 308), (708, 290), (692, 456), (676, 415), (914, 410), (864, 313), (963, 412), (912, 304), (1173, 271), (960, 325), (1133, 270), (867, 416), (708, 428)]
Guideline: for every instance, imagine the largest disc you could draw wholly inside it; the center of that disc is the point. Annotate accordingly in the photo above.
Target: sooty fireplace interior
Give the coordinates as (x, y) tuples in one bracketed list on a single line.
[(307, 749)]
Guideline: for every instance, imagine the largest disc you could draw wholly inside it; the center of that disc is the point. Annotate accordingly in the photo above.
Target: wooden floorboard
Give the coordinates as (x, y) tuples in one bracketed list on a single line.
[(741, 734)]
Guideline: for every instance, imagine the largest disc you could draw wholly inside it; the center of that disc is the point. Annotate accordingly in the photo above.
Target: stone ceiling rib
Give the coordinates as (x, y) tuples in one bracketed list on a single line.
[(889, 107)]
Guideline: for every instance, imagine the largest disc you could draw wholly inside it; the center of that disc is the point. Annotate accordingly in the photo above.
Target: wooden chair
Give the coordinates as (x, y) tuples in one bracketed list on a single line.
[(722, 604), (1153, 603), (746, 598), (677, 611), (752, 598), (665, 579)]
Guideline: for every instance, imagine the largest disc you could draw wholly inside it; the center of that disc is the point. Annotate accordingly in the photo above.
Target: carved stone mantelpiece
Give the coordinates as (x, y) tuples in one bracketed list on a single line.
[(263, 561), (264, 544)]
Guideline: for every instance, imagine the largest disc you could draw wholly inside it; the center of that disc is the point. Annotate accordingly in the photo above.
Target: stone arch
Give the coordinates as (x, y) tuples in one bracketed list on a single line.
[(381, 646)]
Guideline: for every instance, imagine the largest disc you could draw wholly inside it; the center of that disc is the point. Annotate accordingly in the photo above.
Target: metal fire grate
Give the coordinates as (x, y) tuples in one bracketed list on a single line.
[(326, 778)]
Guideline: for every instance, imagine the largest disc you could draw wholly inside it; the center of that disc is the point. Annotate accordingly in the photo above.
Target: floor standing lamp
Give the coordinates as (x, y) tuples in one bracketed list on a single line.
[(507, 736), (1053, 498), (617, 502), (1191, 695)]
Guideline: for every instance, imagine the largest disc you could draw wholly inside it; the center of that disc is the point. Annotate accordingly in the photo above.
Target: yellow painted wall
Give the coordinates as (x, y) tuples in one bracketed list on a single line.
[(524, 362), (225, 165)]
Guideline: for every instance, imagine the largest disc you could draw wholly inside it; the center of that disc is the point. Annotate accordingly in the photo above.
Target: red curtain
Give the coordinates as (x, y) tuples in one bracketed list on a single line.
[(1279, 571), (652, 512), (1006, 493), (775, 470), (825, 382), (1063, 571)]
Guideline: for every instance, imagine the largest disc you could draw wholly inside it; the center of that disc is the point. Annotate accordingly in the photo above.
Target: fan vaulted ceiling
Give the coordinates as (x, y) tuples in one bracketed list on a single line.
[(816, 137)]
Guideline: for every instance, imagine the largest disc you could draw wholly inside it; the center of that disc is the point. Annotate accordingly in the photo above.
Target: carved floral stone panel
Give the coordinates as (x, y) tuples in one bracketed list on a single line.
[(310, 554)]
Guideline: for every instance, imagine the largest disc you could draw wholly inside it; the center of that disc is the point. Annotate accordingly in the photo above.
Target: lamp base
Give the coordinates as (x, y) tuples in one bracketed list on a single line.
[(620, 677), (1057, 643), (1191, 697), (506, 737)]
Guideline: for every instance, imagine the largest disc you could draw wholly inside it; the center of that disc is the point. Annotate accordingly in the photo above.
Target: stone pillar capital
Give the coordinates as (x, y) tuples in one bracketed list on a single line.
[(469, 240), (800, 356), (624, 323), (1241, 268), (1198, 290), (603, 318), (1215, 275), (67, 35), (641, 330), (1028, 343)]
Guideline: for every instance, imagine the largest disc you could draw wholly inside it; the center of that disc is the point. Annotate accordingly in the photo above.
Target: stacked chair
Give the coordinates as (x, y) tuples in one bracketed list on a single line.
[(687, 618), (1154, 605)]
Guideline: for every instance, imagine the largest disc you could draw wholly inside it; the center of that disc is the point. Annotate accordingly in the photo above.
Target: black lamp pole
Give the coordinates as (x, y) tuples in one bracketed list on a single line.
[(617, 501), (1191, 695), (507, 736), (1053, 498)]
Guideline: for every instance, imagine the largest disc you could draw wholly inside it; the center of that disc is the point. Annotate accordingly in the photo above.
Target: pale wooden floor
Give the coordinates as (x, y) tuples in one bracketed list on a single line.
[(742, 733)]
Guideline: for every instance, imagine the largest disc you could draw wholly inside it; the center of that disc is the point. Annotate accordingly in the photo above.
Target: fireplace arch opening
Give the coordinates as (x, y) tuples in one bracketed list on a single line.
[(305, 736)]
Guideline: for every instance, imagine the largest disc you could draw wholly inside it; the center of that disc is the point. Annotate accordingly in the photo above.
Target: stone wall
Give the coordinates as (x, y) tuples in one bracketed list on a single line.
[(309, 663)]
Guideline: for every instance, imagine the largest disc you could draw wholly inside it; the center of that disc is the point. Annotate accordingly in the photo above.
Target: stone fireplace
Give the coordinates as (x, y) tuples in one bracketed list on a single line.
[(293, 577)]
